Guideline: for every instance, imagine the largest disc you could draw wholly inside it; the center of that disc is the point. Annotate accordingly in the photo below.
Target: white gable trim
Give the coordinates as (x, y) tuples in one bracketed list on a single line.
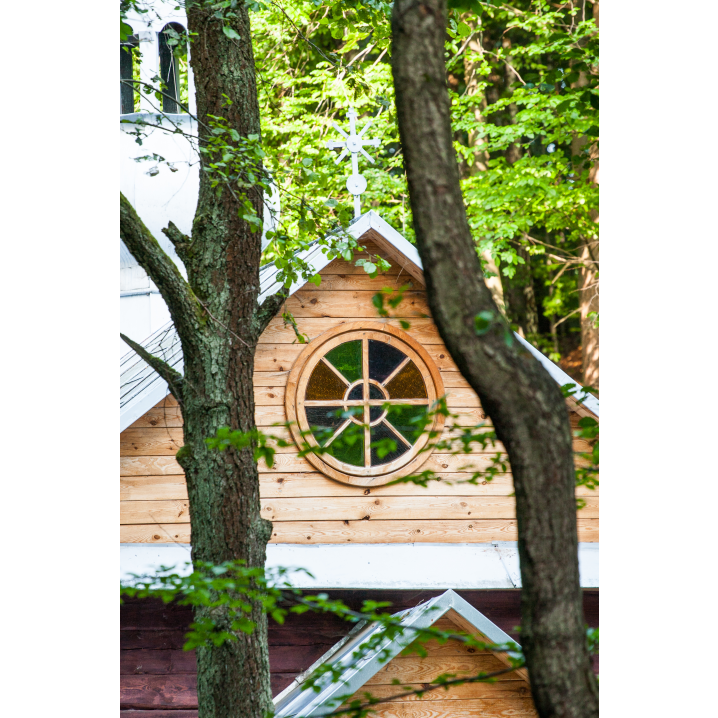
[(295, 701), (154, 390)]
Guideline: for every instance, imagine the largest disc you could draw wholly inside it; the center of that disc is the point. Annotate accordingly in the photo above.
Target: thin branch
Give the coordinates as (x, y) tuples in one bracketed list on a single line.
[(179, 240), (174, 379), (269, 309), (563, 319), (162, 270), (307, 40)]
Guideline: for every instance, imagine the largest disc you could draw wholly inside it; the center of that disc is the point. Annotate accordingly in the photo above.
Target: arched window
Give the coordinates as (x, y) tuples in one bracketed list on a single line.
[(362, 393), (127, 62), (173, 67)]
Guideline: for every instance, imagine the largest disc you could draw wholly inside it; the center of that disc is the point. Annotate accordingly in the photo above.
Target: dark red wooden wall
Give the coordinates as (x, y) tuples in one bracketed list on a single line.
[(158, 678)]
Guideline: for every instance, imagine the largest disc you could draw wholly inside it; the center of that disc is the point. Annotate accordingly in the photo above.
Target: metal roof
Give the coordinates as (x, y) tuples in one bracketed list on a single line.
[(141, 387), (362, 654)]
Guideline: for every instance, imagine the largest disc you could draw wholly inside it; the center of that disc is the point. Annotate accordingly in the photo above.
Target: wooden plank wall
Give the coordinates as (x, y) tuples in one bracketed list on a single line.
[(305, 506), (509, 695), (159, 680)]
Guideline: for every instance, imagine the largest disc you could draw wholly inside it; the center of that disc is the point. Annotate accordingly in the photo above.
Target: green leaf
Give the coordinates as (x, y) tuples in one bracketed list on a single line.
[(316, 280), (230, 32), (307, 161), (463, 29), (125, 31)]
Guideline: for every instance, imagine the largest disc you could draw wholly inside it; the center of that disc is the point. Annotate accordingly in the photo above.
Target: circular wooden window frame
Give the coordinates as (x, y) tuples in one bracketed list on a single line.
[(296, 387)]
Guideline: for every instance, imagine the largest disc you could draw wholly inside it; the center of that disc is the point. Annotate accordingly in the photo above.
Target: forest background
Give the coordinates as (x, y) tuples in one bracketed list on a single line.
[(524, 86), (523, 79)]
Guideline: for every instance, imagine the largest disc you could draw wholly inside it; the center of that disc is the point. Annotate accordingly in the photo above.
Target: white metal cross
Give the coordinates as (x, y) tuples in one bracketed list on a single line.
[(354, 144)]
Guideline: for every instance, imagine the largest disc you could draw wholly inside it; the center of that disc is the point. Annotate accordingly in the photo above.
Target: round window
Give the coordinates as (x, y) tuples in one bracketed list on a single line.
[(361, 393)]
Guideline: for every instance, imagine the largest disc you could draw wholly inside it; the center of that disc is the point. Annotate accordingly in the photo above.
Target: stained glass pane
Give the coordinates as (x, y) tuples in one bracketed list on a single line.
[(407, 384), (375, 411), (347, 359), (381, 434), (349, 446), (324, 384), (383, 359), (357, 393), (324, 416), (409, 420)]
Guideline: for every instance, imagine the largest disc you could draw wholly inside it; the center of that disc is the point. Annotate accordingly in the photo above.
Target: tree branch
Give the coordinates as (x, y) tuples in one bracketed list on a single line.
[(179, 241), (269, 309), (174, 379), (162, 270)]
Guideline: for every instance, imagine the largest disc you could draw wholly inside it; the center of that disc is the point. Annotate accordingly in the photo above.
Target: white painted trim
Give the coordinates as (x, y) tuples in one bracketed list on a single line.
[(390, 234), (143, 402), (559, 375), (377, 566)]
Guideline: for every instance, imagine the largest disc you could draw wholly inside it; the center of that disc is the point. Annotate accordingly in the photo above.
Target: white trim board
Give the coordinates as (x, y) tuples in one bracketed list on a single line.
[(376, 566)]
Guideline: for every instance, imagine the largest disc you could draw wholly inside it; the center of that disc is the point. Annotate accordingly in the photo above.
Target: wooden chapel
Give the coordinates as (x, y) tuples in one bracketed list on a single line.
[(333, 514)]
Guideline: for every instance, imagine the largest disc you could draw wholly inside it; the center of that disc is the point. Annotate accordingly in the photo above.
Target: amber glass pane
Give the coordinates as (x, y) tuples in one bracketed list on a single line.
[(407, 384), (383, 432), (347, 358), (324, 384), (383, 359)]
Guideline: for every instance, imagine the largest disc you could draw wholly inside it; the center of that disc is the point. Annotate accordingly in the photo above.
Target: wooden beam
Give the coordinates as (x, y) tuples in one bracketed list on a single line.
[(340, 532), (357, 304), (478, 708), (174, 487)]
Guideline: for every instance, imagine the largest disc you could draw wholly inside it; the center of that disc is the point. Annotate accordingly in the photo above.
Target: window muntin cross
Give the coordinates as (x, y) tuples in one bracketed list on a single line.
[(384, 388), (357, 388)]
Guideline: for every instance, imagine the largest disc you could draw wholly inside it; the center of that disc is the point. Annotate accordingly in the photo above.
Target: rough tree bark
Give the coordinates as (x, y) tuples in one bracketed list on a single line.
[(524, 403), (219, 322)]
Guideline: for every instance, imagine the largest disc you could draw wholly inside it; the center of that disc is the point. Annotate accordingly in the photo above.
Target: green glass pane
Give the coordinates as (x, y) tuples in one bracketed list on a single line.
[(408, 420), (349, 446), (324, 384), (381, 439), (347, 359), (407, 384)]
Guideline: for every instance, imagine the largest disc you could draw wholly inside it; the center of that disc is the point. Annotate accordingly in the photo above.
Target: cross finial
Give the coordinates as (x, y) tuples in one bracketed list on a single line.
[(354, 144)]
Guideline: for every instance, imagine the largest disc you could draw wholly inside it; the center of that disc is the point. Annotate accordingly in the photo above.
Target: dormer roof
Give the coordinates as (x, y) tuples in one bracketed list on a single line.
[(359, 656)]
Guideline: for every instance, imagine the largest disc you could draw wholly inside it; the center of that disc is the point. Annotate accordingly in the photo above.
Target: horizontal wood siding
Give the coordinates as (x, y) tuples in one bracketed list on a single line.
[(157, 675), (509, 695), (305, 506)]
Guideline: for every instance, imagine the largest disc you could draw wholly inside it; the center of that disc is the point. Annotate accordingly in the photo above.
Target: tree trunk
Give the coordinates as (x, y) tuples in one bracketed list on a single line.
[(524, 403), (588, 303), (520, 296), (480, 160), (218, 321)]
